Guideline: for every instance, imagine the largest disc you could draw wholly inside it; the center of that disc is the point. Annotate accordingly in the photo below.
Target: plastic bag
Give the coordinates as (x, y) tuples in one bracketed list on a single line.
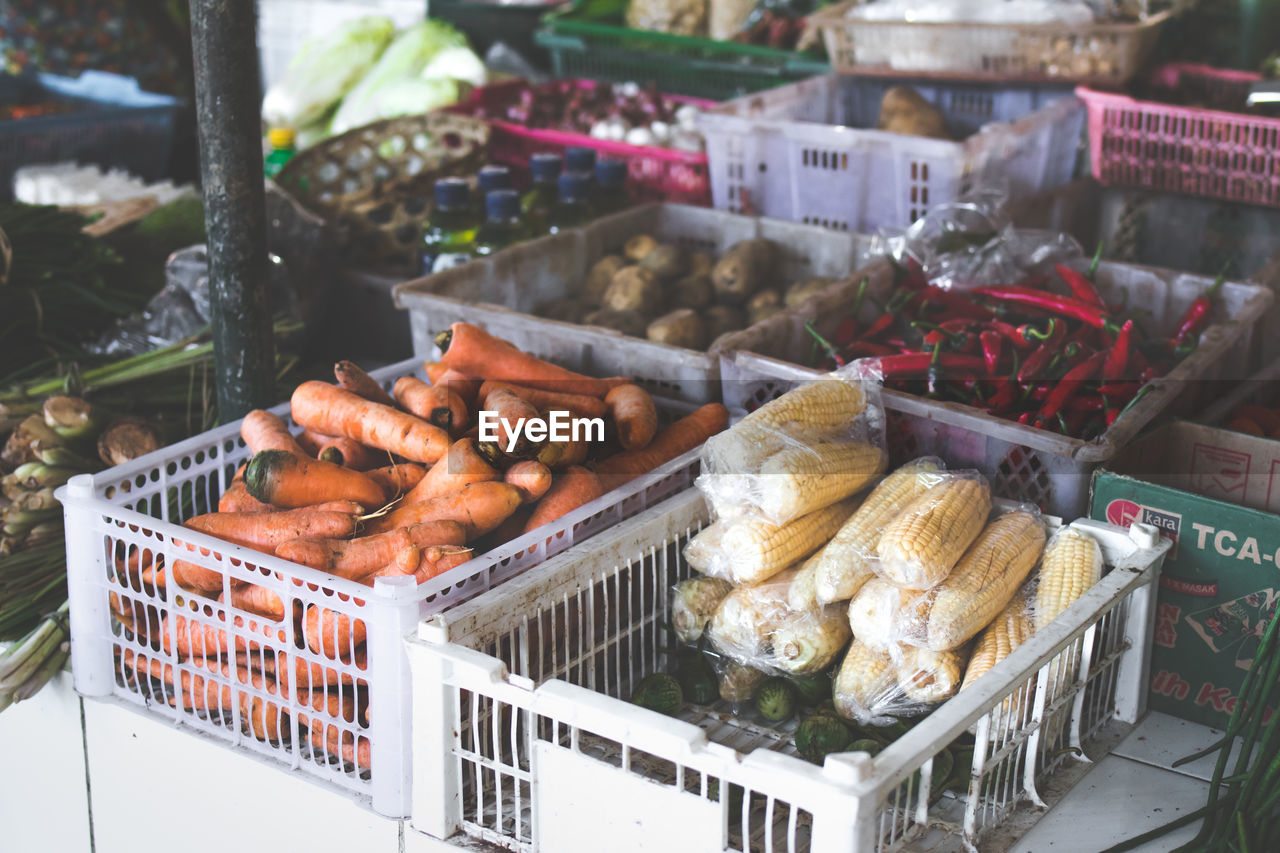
[(755, 626), (971, 243), (919, 548), (876, 684), (693, 602), (752, 550)]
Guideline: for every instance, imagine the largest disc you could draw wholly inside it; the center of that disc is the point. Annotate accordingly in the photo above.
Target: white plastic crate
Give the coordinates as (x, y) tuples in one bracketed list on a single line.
[(137, 507), (809, 151), (501, 292), (1023, 463), (523, 692)]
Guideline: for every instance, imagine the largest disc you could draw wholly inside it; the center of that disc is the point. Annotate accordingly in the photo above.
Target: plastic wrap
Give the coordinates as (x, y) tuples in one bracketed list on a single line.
[(877, 684), (876, 612), (751, 550), (919, 548), (1012, 627), (755, 626), (972, 242), (702, 550), (693, 601), (976, 11)]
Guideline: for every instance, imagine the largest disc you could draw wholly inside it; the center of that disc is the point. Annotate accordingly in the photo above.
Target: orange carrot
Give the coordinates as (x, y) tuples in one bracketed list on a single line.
[(478, 507), (334, 635), (474, 352), (263, 531), (333, 411), (302, 674), (438, 560), (397, 480), (257, 599), (510, 413), (464, 386), (574, 487), (289, 480), (532, 478), (339, 450), (435, 404), (351, 378), (550, 401), (262, 430), (237, 498), (512, 528), (635, 415), (562, 454), (683, 435), (340, 742), (356, 558), (463, 464)]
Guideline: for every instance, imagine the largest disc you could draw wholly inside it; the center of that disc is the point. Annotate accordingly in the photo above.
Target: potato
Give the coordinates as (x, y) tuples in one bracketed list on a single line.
[(802, 290), (568, 310), (692, 291), (681, 328), (666, 262), (638, 246), (743, 270), (721, 319), (700, 263), (903, 110), (764, 304), (627, 322), (634, 289), (601, 273)]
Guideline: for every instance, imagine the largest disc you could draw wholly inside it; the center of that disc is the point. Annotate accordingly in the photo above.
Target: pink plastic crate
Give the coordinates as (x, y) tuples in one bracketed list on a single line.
[(654, 174), (1203, 152)]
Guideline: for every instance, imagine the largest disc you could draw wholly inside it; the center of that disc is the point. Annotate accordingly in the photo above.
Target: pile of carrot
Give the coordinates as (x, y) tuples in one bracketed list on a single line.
[(381, 484)]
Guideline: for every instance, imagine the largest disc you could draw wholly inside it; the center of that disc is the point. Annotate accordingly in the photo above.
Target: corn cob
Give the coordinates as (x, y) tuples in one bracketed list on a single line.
[(807, 642), (928, 677), (1006, 632), (823, 407), (702, 550), (802, 595), (919, 548), (866, 682), (798, 480), (1072, 564), (984, 580), (843, 566), (692, 604), (746, 618), (756, 550), (873, 612)]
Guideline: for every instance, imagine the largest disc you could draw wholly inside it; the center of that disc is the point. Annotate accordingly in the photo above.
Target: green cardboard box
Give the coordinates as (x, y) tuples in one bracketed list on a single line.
[(1221, 580)]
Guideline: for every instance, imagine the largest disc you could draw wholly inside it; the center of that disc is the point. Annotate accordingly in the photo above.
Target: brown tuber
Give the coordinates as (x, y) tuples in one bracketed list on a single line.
[(126, 439)]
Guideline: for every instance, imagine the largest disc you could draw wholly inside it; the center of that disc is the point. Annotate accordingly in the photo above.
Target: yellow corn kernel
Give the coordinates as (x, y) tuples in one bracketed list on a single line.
[(825, 406), (866, 682), (843, 566), (746, 618), (928, 677), (756, 550), (873, 612), (799, 480), (1072, 564), (919, 548), (703, 550), (1006, 632), (984, 580)]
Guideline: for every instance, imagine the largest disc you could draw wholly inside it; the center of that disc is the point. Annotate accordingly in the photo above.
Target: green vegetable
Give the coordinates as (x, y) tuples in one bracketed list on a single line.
[(819, 735), (406, 97), (867, 745), (659, 692), (697, 679), (775, 699), (406, 58), (813, 689), (456, 63), (325, 70)]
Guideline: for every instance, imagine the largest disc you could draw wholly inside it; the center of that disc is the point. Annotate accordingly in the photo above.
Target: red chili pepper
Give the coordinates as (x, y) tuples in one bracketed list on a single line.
[(1074, 308), (1037, 392), (917, 363), (846, 332), (879, 326), (1150, 373), (962, 341), (957, 304), (1118, 357), (1118, 389), (1197, 314), (1112, 416), (1037, 363), (1081, 287), (1086, 404), (1071, 383), (1027, 418), (867, 349), (1032, 336), (992, 348)]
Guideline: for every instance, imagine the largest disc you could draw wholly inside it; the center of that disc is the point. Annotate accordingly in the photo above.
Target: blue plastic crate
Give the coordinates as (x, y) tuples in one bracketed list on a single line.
[(115, 124)]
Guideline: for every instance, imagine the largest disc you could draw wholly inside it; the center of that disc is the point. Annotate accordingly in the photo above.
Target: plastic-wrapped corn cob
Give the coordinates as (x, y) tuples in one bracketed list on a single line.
[(693, 601), (919, 548), (878, 684), (874, 611), (753, 550), (1010, 629), (802, 594), (701, 551), (928, 677)]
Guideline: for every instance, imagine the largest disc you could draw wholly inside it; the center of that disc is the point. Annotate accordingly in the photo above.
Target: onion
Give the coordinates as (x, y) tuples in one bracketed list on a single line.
[(600, 130), (661, 132), (687, 117), (617, 130), (640, 136)]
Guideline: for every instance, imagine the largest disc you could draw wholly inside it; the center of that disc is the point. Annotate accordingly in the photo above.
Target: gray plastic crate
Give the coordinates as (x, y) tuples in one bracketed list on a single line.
[(501, 292), (1022, 463)]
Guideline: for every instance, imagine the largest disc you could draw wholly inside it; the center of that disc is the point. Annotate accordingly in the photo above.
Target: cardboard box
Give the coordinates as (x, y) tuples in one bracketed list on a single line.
[(1221, 580)]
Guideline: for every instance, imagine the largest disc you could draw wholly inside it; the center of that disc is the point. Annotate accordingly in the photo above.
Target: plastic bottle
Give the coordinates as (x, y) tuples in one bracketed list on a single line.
[(581, 161), (609, 194), (540, 200), (488, 179), (284, 145), (573, 207), (502, 226), (448, 238)]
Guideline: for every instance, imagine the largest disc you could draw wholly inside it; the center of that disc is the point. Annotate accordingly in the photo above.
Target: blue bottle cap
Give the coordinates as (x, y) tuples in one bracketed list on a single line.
[(611, 173), (545, 167), (451, 193), (579, 159), (573, 187), (493, 178), (502, 204)]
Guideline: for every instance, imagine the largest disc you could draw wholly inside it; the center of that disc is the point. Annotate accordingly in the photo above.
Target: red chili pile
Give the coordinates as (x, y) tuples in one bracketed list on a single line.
[(1067, 362)]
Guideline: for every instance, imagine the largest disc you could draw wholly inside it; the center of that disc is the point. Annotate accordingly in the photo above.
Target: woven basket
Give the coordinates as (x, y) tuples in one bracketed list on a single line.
[(375, 181)]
